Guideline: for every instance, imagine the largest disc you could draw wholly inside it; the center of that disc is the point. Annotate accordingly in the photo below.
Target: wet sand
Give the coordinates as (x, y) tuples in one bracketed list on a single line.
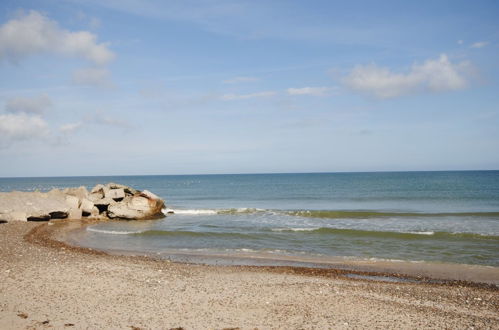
[(47, 283)]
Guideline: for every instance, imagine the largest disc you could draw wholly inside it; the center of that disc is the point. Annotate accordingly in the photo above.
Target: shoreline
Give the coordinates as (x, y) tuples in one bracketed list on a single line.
[(417, 271), (48, 283)]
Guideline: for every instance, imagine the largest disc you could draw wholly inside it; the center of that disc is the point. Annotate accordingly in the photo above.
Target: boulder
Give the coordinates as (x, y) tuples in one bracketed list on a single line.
[(96, 196), (75, 214), (115, 193), (137, 207), (80, 192), (98, 188), (16, 216), (139, 203), (72, 201), (128, 190), (32, 206), (86, 206), (105, 201), (123, 211)]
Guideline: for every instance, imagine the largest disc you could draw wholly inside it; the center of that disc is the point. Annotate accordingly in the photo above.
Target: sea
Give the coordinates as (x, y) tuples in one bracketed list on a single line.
[(438, 217)]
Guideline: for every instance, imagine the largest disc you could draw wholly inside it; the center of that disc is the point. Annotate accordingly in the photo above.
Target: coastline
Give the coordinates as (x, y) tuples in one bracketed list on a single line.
[(417, 271), (48, 280)]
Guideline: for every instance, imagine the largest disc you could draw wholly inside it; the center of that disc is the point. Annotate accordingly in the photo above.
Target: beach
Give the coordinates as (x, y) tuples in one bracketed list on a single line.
[(46, 283)]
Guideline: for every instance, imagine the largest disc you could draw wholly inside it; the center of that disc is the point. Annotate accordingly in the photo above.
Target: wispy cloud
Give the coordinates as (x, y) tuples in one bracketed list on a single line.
[(100, 118), (70, 127), (231, 97), (434, 75), (35, 105), (99, 77), (33, 33), (237, 80), (314, 91), (479, 44), (21, 126)]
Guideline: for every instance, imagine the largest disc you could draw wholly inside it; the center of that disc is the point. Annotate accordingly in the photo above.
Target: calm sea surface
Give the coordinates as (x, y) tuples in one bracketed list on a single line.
[(418, 216)]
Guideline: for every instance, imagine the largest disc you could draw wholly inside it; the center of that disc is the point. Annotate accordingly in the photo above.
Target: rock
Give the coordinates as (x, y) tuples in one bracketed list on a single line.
[(128, 190), (95, 211), (115, 193), (105, 201), (95, 196), (123, 211), (17, 216), (149, 195), (75, 214), (98, 188), (139, 203), (36, 206), (86, 206), (80, 192), (72, 201)]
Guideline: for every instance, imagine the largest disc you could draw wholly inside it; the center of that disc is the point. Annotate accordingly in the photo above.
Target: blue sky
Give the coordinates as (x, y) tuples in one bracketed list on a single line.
[(179, 87)]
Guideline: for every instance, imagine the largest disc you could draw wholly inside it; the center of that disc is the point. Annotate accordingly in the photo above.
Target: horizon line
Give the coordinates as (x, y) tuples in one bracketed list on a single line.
[(248, 173)]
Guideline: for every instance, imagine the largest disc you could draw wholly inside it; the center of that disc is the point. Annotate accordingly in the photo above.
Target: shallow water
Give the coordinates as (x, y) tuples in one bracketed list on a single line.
[(430, 216)]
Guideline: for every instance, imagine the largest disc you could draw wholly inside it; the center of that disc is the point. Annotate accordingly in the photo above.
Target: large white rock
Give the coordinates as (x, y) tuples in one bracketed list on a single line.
[(72, 201), (122, 211), (86, 205), (80, 192), (97, 188), (96, 196), (75, 214), (139, 203), (16, 216), (149, 194), (104, 201), (118, 193), (111, 200)]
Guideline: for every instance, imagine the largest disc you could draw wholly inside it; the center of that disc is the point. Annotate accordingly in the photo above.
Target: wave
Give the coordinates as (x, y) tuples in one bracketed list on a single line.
[(242, 210), (189, 212), (332, 214), (180, 233), (112, 232), (416, 235), (322, 231), (294, 229)]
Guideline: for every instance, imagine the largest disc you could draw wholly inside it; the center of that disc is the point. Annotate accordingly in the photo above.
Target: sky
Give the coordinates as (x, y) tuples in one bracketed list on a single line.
[(129, 87)]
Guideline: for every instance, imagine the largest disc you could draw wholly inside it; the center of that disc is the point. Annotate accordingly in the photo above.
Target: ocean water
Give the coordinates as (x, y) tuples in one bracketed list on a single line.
[(417, 216)]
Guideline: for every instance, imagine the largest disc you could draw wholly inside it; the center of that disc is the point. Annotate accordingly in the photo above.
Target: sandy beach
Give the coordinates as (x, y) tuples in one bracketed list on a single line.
[(47, 284)]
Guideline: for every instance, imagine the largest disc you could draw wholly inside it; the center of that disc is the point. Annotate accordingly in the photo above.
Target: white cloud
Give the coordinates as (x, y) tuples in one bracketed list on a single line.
[(34, 33), (100, 118), (479, 44), (36, 105), (231, 97), (237, 80), (315, 91), (17, 127), (433, 75), (460, 42), (70, 127), (99, 77)]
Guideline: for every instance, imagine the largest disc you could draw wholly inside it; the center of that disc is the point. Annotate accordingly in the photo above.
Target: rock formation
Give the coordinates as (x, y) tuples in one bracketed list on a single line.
[(110, 201)]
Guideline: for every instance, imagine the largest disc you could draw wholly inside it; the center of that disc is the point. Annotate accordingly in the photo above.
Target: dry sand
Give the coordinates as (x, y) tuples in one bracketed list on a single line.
[(46, 284)]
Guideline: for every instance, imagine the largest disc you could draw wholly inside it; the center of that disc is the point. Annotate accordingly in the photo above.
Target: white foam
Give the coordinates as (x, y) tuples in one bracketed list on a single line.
[(112, 232), (429, 233), (189, 212), (295, 229)]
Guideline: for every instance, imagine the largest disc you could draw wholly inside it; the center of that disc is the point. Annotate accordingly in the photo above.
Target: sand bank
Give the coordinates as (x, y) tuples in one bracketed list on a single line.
[(46, 283)]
